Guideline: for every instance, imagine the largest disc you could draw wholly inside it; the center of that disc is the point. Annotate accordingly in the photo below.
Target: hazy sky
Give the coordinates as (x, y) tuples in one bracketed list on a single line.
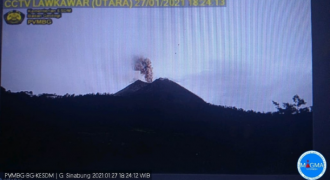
[(245, 55)]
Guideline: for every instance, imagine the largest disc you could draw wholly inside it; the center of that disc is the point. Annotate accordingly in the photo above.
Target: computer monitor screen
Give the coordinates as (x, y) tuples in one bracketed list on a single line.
[(166, 86)]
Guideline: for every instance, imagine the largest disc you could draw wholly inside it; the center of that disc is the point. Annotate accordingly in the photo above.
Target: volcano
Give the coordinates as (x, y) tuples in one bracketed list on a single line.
[(159, 127), (130, 89), (161, 89)]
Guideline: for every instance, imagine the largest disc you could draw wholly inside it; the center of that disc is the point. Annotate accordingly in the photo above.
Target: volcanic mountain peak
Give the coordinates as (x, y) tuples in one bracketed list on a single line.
[(164, 85), (161, 88), (131, 88)]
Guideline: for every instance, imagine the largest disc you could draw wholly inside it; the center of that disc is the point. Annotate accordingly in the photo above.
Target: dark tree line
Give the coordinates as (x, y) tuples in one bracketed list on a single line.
[(293, 108), (95, 131)]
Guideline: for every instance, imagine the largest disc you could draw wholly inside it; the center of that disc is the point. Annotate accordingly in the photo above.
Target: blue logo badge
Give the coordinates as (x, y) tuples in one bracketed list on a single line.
[(311, 165)]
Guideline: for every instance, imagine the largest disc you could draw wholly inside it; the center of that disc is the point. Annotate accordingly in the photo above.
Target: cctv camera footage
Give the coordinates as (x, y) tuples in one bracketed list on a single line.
[(198, 88)]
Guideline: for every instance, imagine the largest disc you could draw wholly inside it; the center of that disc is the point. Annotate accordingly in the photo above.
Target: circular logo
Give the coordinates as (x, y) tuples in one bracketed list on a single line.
[(311, 165), (14, 17)]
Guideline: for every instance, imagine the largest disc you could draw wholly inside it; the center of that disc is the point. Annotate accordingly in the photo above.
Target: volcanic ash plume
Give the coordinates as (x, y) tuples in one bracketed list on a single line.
[(144, 66)]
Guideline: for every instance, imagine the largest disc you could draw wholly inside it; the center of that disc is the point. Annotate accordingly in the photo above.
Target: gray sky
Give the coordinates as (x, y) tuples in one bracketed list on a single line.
[(245, 55)]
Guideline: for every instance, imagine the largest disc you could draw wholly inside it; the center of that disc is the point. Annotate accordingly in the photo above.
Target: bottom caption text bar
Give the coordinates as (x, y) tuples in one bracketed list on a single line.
[(74, 175)]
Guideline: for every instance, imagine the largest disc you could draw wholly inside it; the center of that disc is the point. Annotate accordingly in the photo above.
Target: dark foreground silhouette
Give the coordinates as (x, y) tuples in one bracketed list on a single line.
[(160, 127)]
